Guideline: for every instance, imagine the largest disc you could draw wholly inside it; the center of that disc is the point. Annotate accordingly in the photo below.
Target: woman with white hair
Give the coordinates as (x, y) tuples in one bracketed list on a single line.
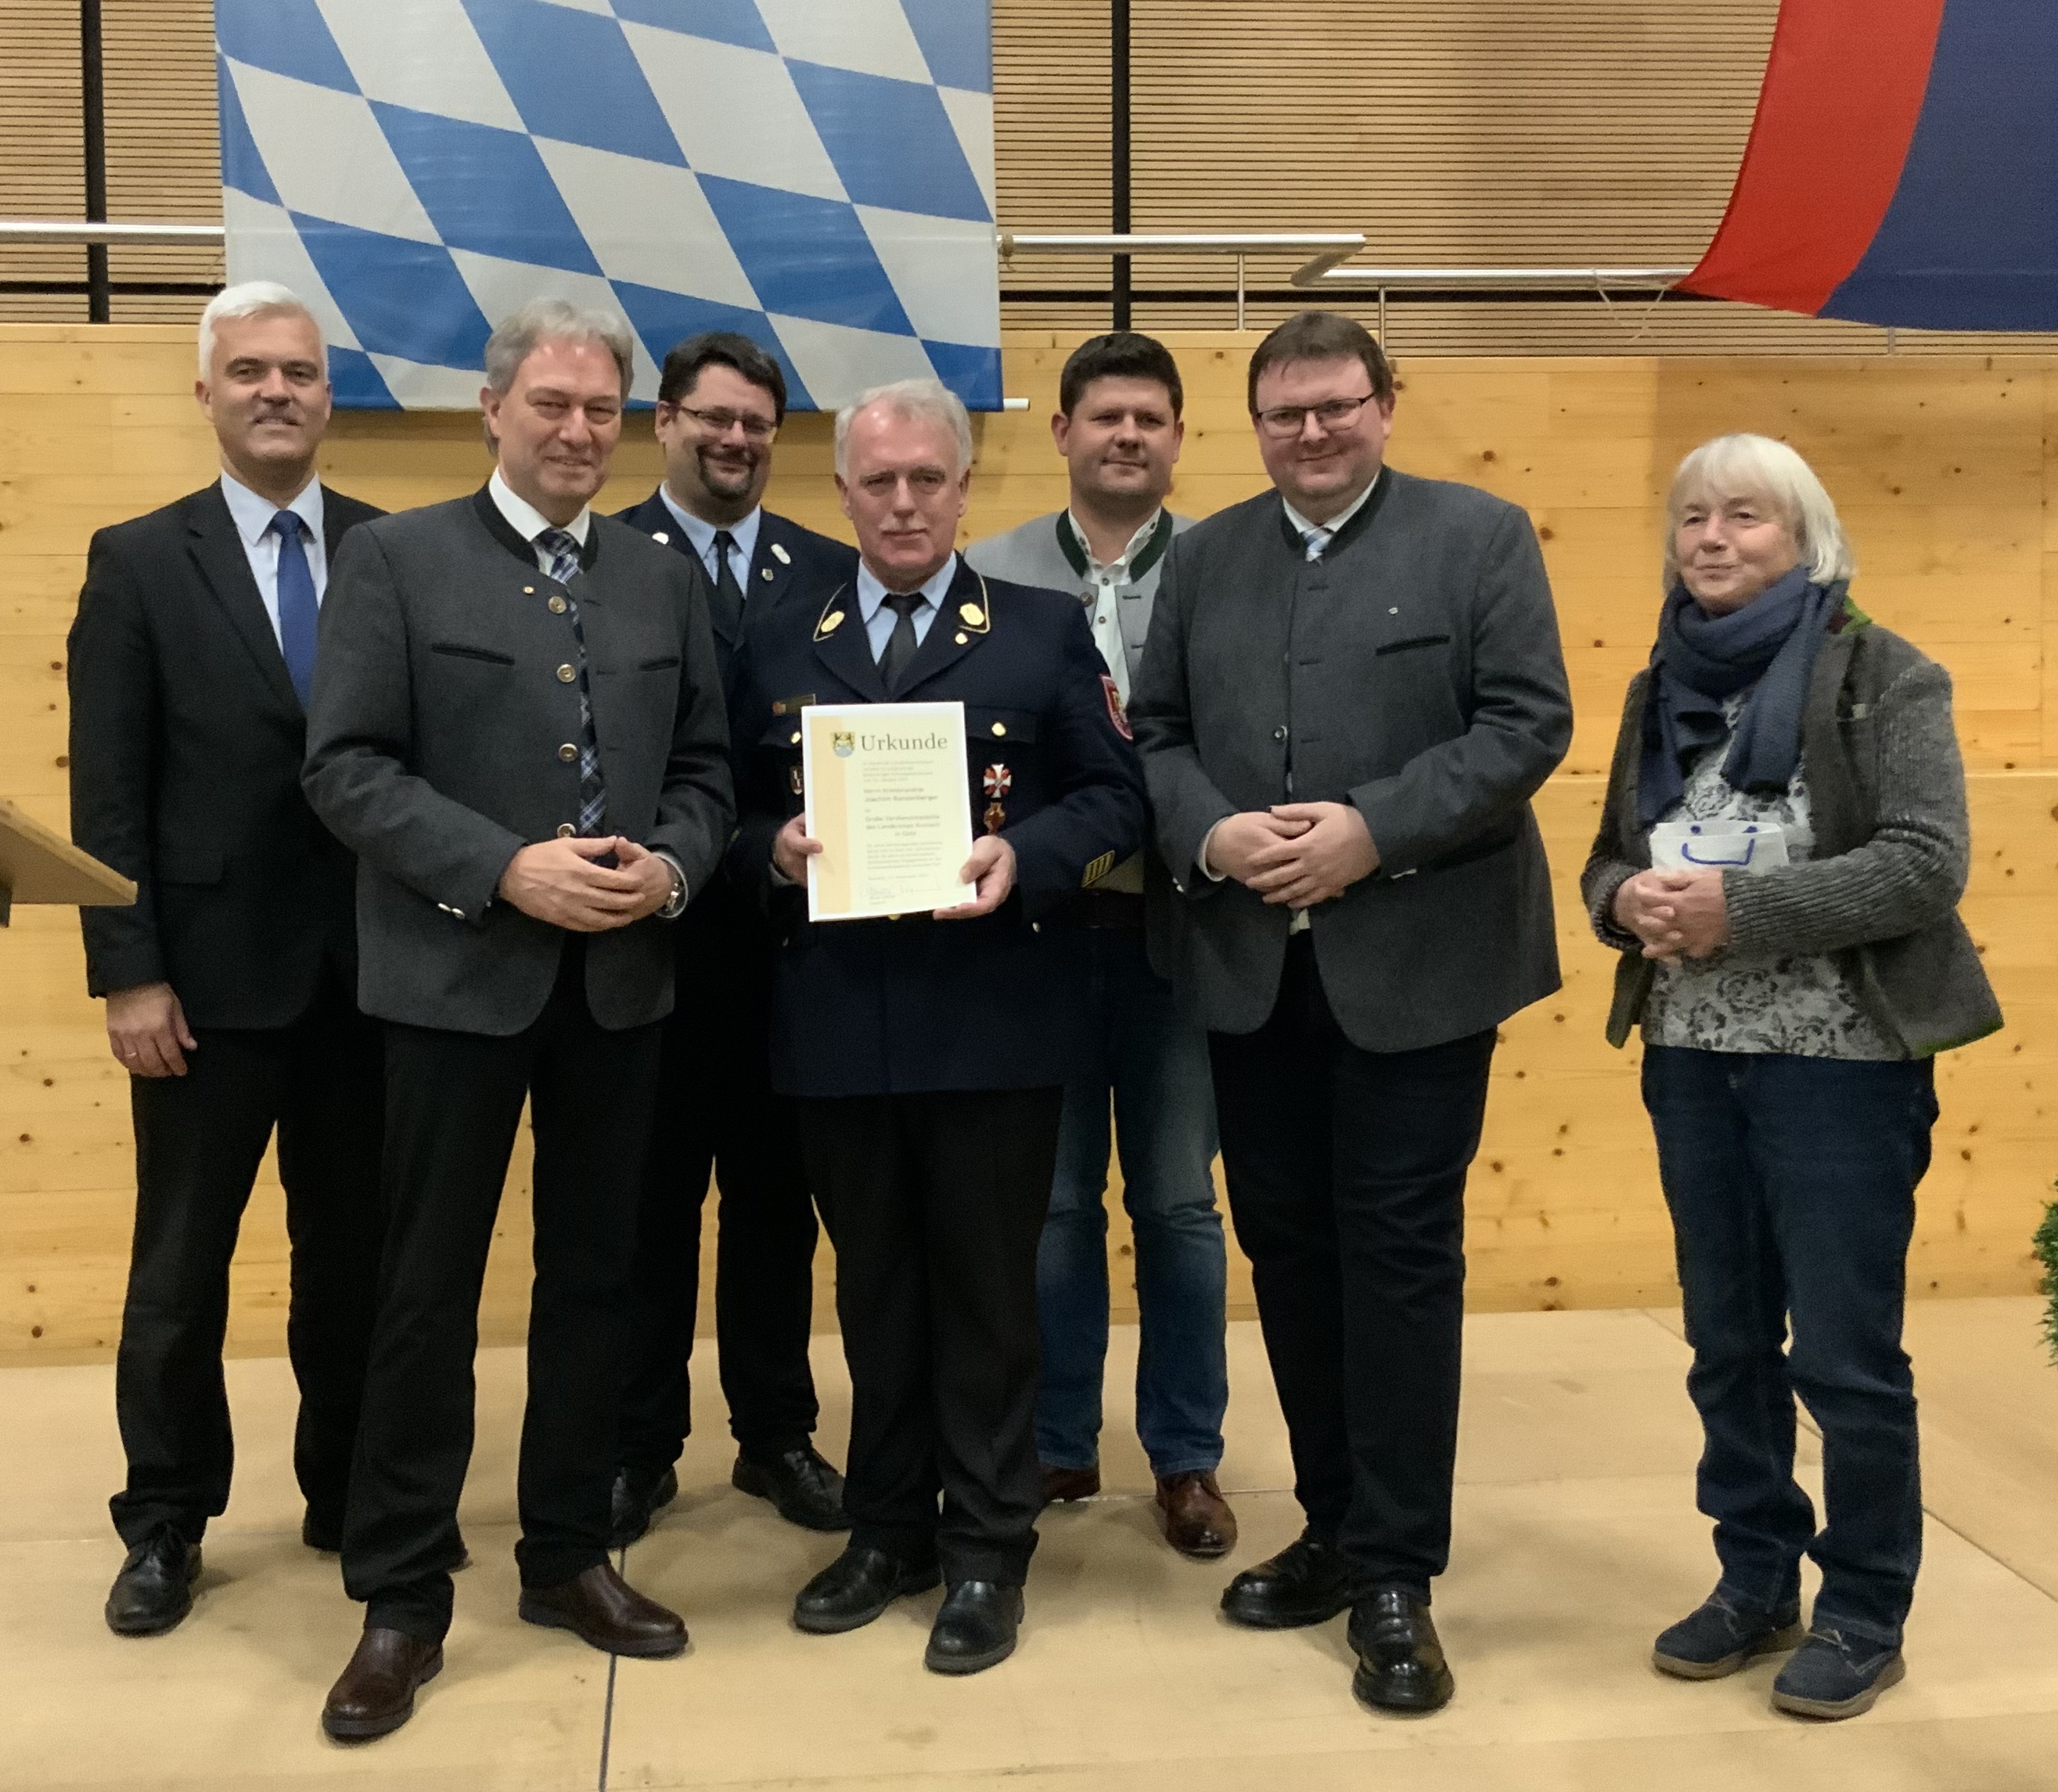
[(1779, 860)]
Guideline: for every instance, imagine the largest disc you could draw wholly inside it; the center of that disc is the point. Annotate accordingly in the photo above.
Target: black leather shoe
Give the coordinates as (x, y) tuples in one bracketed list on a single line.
[(1307, 1583), (800, 1483), (856, 1587), (154, 1589), (638, 1498), (375, 1694), (1400, 1665), (976, 1628)]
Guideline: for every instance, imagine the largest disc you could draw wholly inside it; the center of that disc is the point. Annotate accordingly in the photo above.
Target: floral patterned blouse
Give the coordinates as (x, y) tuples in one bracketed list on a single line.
[(1757, 1001)]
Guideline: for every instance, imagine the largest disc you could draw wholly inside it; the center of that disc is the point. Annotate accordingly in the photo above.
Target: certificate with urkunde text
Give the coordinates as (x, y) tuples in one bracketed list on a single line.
[(886, 796)]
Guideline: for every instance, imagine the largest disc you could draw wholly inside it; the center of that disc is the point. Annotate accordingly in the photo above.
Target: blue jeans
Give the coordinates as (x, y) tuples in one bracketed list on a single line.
[(1792, 1186), (1153, 1070)]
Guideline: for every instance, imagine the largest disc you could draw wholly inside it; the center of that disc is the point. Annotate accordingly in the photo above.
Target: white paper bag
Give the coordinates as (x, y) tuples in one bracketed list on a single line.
[(1717, 846)]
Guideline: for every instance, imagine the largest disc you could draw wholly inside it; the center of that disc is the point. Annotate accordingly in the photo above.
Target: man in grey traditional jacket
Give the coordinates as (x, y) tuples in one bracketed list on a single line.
[(1353, 689), (1118, 427)]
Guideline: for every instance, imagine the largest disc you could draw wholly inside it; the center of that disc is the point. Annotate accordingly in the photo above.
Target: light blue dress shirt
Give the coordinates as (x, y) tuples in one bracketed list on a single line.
[(878, 620), (252, 516), (701, 535)]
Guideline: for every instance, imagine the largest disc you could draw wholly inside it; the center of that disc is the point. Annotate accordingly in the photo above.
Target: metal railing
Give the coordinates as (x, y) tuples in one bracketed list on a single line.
[(1329, 264)]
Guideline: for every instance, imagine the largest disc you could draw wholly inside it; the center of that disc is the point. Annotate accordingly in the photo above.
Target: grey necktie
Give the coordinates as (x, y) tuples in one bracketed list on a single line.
[(901, 644)]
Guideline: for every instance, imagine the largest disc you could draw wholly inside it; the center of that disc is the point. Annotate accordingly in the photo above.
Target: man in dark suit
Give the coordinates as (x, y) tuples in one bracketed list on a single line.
[(927, 1054), (720, 400), (1352, 688), (230, 984), (519, 728)]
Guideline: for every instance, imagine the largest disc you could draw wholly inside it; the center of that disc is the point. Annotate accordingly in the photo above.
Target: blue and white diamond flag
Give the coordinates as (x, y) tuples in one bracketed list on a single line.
[(817, 174)]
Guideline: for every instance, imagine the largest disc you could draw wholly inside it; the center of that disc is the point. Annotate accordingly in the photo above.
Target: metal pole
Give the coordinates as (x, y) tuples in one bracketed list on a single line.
[(1239, 292), (1382, 318), (100, 296), (1117, 82)]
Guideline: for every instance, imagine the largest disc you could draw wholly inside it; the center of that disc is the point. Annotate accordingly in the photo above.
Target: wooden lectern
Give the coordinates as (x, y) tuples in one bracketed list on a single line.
[(39, 864)]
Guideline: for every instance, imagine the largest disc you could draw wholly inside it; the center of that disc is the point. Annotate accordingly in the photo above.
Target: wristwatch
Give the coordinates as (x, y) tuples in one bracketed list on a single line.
[(675, 904)]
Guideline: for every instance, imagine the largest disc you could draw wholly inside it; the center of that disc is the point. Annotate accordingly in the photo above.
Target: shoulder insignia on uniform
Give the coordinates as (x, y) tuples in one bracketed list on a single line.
[(1098, 869), (660, 538), (781, 555), (793, 705), (1115, 712)]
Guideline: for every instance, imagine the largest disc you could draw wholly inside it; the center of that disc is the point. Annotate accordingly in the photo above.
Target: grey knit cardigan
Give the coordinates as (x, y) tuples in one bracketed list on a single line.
[(1892, 845)]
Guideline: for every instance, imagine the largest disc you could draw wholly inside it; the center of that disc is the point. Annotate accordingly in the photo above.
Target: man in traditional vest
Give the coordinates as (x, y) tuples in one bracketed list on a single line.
[(1118, 427)]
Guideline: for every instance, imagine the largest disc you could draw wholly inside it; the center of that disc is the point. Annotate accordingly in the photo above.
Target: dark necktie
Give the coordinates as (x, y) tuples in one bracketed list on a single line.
[(728, 593), (901, 644), (298, 611), (562, 546)]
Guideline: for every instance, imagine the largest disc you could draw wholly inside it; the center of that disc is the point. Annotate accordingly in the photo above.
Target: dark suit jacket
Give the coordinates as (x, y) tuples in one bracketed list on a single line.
[(1414, 672), (437, 747), (786, 556), (889, 1008), (186, 743)]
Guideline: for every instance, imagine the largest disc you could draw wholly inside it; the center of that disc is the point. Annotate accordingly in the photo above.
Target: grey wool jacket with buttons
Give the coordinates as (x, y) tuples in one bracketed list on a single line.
[(1413, 672), (435, 752), (1880, 890)]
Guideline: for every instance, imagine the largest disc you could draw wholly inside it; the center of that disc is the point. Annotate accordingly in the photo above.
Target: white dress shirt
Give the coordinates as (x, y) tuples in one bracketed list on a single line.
[(701, 535), (1109, 581), (878, 620), (527, 522), (252, 516), (1318, 537)]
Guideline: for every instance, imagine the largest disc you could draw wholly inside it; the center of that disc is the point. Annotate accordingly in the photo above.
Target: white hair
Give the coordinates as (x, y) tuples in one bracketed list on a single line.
[(522, 331), (1733, 467), (922, 400), (254, 298)]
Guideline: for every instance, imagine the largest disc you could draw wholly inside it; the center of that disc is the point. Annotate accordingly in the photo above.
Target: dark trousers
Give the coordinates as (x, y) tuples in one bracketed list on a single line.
[(1346, 1174), (200, 1139), (716, 1109), (453, 1102), (935, 1203), (1792, 1186)]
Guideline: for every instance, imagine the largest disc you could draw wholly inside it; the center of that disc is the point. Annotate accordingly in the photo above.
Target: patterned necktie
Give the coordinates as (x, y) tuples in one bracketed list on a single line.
[(901, 644), (298, 611), (1315, 543), (728, 593), (563, 548)]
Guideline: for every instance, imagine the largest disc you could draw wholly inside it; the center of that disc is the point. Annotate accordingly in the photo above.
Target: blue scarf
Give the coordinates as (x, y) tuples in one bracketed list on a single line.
[(1771, 643)]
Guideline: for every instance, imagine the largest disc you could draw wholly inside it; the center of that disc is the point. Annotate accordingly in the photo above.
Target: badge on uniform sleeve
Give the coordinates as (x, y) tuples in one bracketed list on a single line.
[(999, 781), (1115, 712)]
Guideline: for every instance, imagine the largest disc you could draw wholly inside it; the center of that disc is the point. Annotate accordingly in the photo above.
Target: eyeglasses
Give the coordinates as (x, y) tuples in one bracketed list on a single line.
[(1283, 420), (721, 423)]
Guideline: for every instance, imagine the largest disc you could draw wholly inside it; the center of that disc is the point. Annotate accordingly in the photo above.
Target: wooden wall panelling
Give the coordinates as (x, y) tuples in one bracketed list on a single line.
[(1943, 469)]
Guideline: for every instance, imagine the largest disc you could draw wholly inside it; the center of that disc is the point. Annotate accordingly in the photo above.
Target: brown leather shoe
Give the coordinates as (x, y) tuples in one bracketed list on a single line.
[(376, 1693), (1194, 1517), (1061, 1484), (600, 1607)]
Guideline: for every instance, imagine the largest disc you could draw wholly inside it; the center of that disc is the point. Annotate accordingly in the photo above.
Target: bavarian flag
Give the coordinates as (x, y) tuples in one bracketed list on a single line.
[(1902, 168)]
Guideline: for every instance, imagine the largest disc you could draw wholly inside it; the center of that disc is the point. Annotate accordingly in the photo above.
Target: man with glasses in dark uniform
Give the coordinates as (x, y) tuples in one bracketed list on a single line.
[(720, 400)]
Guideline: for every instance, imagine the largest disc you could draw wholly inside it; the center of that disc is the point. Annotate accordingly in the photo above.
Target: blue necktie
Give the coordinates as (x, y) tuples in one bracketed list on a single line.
[(563, 548), (299, 614)]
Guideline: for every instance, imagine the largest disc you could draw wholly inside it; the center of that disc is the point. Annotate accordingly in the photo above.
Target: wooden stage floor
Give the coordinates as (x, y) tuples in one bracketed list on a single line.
[(1576, 1541)]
